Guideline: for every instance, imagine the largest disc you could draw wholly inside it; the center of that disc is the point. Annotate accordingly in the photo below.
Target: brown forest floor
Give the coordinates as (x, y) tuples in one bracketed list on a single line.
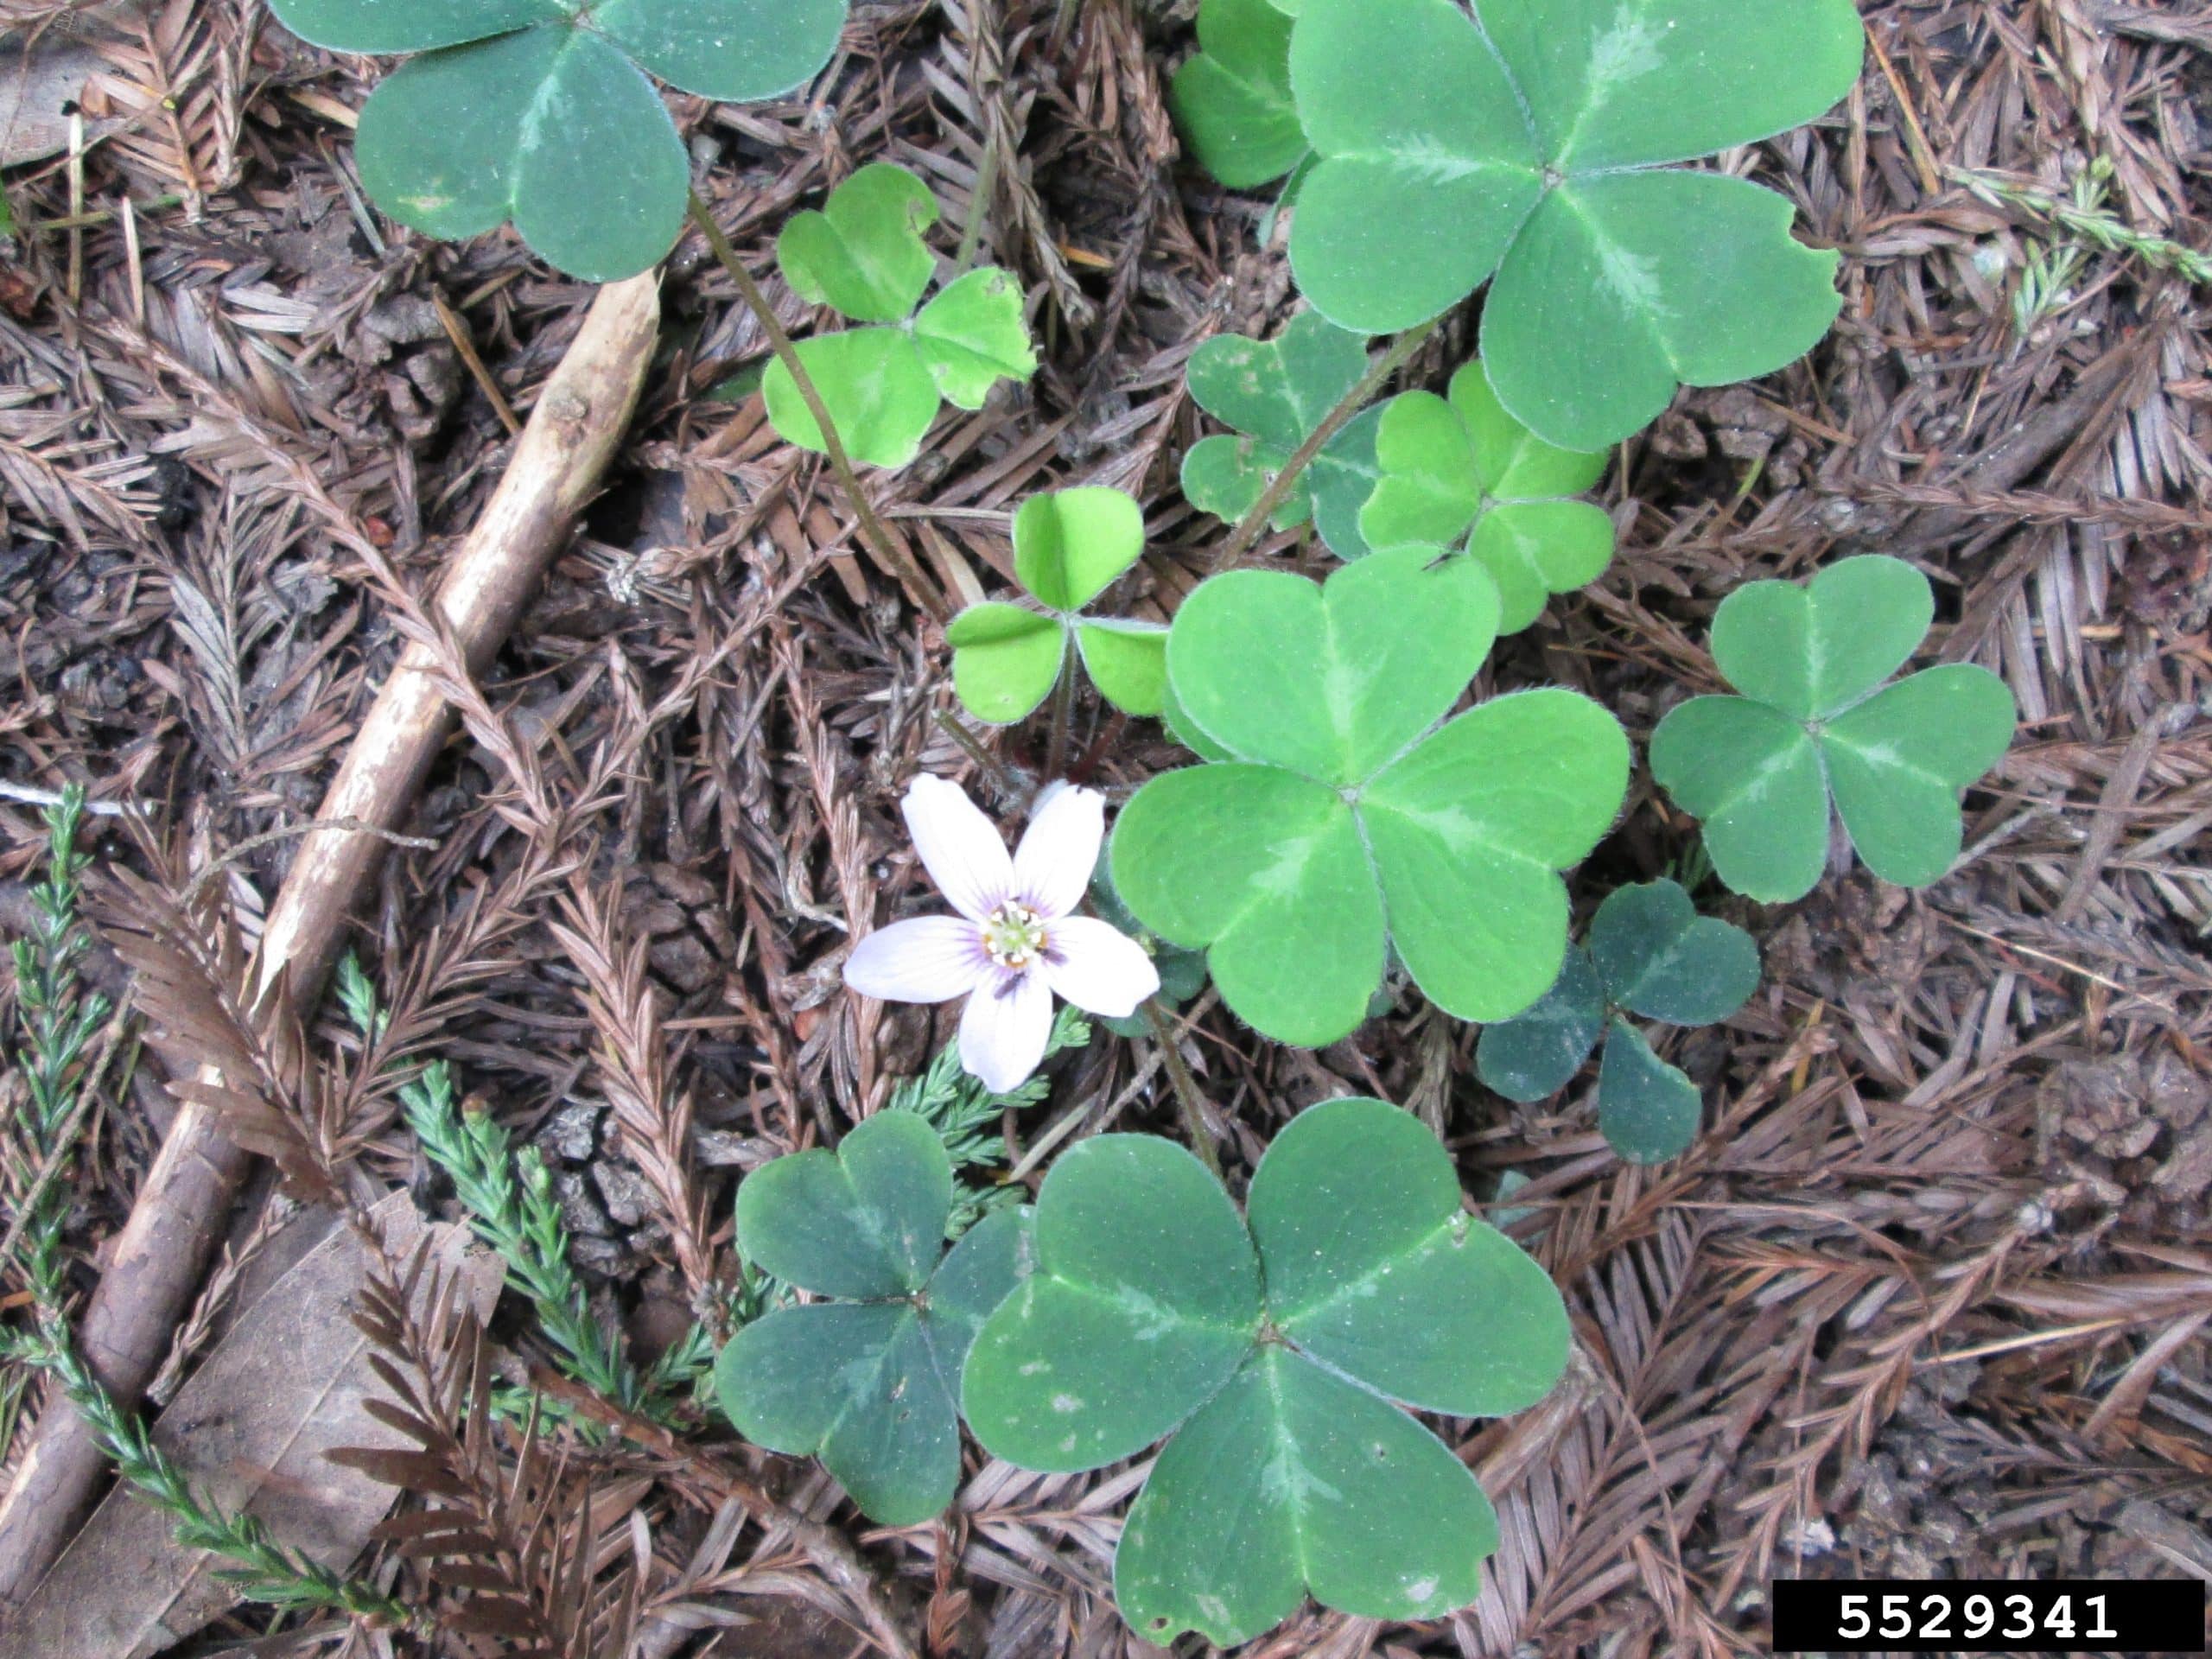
[(1928, 1298)]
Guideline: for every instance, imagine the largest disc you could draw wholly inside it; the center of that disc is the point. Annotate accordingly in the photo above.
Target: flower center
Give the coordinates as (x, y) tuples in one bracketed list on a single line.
[(1014, 936)]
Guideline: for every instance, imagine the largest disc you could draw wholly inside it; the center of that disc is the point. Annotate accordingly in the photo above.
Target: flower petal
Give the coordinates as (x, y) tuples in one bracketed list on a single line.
[(930, 959), (1052, 870), (1098, 967), (1003, 1032), (960, 847)]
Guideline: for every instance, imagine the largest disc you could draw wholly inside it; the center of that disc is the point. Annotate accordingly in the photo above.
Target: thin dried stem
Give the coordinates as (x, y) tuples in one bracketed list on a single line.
[(1249, 527), (1186, 1087)]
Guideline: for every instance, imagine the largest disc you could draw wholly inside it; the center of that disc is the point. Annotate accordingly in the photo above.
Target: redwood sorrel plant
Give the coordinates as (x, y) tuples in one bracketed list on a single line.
[(1376, 807)]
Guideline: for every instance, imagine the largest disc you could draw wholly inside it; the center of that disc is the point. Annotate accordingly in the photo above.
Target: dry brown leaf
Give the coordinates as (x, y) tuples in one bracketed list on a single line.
[(290, 1382)]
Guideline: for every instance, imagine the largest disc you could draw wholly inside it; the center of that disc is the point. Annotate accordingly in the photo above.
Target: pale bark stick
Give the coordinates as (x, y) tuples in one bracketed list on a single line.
[(157, 1259)]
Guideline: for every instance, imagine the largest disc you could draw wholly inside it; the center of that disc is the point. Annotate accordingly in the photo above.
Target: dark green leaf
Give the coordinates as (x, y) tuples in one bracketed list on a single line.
[(1537, 1053), (1647, 1109), (1658, 957)]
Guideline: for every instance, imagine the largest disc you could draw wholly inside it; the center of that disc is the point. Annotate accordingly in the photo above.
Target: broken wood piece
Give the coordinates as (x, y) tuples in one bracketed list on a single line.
[(157, 1259)]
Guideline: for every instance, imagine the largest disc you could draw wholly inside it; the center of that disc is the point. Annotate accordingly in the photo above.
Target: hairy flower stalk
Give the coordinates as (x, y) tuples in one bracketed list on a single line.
[(1016, 941)]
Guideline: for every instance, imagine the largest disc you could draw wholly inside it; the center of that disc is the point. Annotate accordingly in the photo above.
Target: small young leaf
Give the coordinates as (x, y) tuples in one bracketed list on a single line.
[(1447, 467), (863, 253), (1276, 393), (1004, 660), (872, 1388), (875, 386), (1759, 768), (1128, 662), (1647, 1110), (1232, 100), (973, 335), (1537, 1053), (1071, 545), (1145, 1300), (1531, 131), (1656, 957)]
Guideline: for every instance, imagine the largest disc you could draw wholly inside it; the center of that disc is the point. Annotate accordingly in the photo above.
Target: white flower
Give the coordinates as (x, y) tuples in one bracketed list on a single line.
[(1016, 940)]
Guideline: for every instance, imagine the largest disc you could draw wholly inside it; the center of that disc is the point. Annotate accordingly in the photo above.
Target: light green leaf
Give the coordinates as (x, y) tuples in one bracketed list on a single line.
[(1265, 871), (738, 51), (1898, 761), (1758, 769), (866, 1221), (1648, 1110), (1536, 549), (1629, 83), (1537, 1053), (1374, 1269), (875, 387), (1004, 660), (863, 253), (1070, 545), (973, 335), (1128, 662), (1232, 100), (1428, 490), (1658, 957), (1521, 145), (1814, 649), (1467, 831), (1184, 731), (1678, 278), (1447, 466), (872, 1388), (1755, 779), (1291, 1480), (550, 126), (1329, 681), (1226, 476), (381, 26), (1426, 168), (1145, 1300)]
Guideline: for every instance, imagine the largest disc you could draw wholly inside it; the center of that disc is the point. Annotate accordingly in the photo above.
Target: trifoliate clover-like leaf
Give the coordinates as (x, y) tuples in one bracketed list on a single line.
[(870, 1382), (1346, 824), (1815, 723), (1525, 146), (539, 111), (1271, 1348), (863, 256), (1463, 467), (1232, 100), (1649, 953), (1068, 548), (1276, 393), (862, 252)]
